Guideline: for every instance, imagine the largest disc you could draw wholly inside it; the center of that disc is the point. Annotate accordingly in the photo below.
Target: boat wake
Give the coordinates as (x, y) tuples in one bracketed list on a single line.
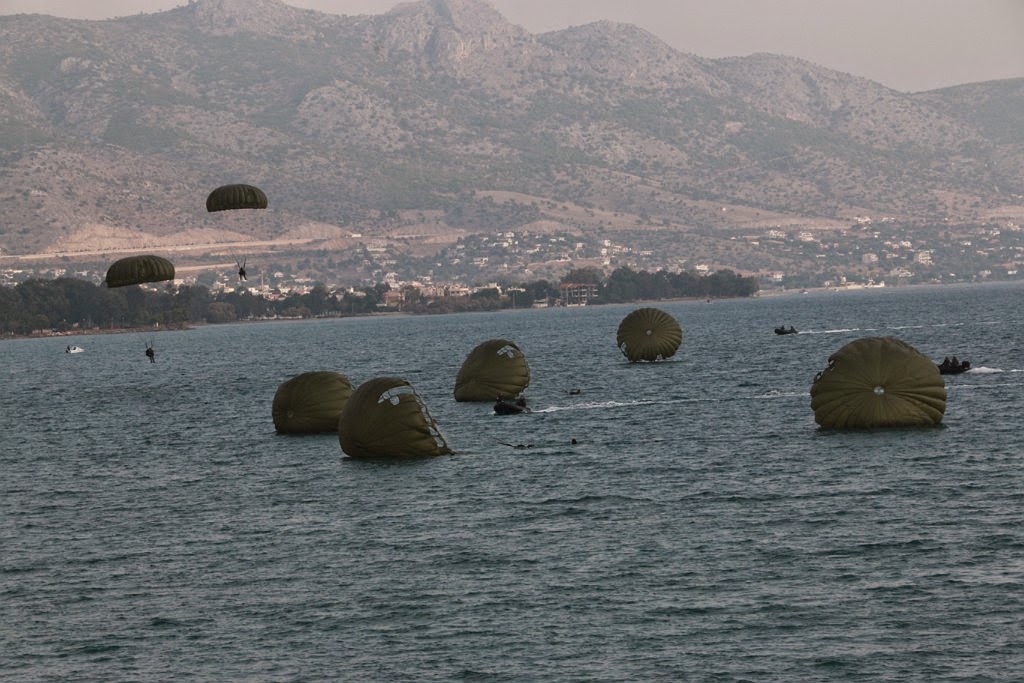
[(774, 393), (607, 405), (838, 330), (597, 405), (841, 330)]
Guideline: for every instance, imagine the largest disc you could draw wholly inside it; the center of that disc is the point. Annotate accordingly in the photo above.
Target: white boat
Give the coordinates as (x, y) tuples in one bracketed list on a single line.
[(73, 349)]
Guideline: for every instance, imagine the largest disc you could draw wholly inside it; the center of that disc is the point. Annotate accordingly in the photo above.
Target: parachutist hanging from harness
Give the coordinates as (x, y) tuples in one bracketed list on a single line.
[(150, 353), (241, 269)]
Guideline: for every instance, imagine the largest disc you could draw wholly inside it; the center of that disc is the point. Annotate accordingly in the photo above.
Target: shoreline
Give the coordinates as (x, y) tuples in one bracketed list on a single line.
[(760, 294)]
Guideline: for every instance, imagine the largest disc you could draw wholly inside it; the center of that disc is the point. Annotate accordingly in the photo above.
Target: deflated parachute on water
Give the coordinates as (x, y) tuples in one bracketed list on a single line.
[(135, 270), (878, 382), (231, 197), (311, 403), (649, 334), (495, 368), (386, 418)]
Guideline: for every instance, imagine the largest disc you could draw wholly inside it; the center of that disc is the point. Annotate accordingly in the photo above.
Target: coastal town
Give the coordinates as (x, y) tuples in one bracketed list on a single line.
[(867, 253)]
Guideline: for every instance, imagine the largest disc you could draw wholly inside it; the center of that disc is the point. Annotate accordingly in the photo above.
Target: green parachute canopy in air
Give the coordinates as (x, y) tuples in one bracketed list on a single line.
[(878, 382), (135, 270), (310, 403), (649, 334), (386, 418), (231, 197), (495, 368)]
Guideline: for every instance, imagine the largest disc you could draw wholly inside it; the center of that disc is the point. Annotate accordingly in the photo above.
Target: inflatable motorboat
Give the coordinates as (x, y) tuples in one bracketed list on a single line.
[(509, 407), (953, 367)]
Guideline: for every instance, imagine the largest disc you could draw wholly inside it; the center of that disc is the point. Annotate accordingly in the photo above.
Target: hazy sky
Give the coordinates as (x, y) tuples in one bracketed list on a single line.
[(908, 45)]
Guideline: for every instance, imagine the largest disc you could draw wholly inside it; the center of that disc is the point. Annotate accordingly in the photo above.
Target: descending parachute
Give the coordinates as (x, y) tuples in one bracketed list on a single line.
[(878, 382), (231, 197), (649, 334), (310, 402), (385, 417), (495, 368), (135, 270)]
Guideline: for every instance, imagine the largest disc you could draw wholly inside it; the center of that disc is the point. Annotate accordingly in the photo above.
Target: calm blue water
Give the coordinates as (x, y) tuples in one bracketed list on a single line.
[(154, 527)]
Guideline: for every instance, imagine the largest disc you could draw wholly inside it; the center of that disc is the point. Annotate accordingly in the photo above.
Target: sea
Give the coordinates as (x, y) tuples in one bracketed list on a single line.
[(684, 520)]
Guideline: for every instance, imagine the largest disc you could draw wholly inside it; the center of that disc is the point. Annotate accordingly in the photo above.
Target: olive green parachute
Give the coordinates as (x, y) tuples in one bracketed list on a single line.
[(231, 197), (495, 368), (135, 270), (385, 418), (649, 334), (310, 403), (878, 382)]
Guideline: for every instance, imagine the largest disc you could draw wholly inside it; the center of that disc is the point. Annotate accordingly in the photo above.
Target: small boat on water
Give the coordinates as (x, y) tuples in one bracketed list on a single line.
[(74, 349), (785, 330), (953, 367), (511, 407)]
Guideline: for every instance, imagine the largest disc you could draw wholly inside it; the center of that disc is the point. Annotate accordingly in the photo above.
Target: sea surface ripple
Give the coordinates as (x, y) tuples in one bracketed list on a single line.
[(155, 527)]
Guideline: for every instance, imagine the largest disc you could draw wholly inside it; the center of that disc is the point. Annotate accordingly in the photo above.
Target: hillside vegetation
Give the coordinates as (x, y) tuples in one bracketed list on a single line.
[(441, 118)]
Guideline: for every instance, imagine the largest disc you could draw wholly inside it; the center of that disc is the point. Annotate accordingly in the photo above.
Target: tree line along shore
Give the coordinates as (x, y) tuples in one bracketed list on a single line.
[(47, 307)]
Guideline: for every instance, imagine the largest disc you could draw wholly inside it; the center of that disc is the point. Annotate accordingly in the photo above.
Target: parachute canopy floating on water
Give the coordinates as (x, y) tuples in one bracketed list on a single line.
[(231, 197), (135, 270), (878, 382), (310, 403), (649, 334), (386, 418), (495, 368)]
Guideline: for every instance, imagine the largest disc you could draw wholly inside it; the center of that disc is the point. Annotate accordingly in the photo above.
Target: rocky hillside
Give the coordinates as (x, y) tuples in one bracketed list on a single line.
[(442, 117)]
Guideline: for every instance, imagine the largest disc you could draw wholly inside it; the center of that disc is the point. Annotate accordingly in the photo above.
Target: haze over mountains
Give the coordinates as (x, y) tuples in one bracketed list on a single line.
[(441, 118)]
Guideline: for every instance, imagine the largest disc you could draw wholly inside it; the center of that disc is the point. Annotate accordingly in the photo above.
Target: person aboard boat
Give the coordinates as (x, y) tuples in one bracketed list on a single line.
[(505, 406)]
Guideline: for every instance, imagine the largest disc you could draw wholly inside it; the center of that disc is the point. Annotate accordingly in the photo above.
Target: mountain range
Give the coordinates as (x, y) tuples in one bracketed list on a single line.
[(441, 119)]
